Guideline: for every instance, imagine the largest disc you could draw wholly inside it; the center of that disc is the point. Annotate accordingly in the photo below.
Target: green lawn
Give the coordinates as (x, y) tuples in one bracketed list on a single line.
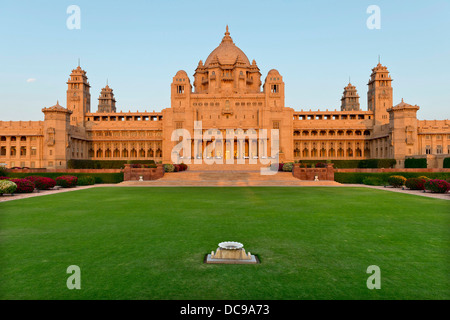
[(149, 243)]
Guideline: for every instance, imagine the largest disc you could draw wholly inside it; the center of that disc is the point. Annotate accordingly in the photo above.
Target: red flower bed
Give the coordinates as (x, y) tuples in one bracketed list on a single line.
[(42, 183), (4, 178), (67, 181), (24, 185), (321, 165), (437, 186), (415, 183)]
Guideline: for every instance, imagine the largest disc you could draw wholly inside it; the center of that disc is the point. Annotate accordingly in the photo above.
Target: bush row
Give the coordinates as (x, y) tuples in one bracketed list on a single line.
[(115, 177), (421, 183), (350, 164), (29, 183), (103, 164), (382, 177)]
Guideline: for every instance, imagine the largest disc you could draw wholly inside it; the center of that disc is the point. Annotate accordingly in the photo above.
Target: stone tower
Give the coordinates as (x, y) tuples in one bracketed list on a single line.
[(78, 96), (106, 101), (379, 95), (56, 136), (350, 99)]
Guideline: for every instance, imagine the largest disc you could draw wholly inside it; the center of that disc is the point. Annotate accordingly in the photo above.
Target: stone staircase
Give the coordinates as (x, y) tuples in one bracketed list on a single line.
[(233, 176)]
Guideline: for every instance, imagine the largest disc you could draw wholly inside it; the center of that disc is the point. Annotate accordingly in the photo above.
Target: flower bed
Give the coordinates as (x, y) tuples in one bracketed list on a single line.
[(437, 186), (24, 185), (42, 183), (415, 183), (67, 181), (7, 186)]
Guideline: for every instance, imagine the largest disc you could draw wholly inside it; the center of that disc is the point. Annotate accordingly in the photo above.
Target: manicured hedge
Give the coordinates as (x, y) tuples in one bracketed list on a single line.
[(115, 177), (42, 183), (447, 163), (416, 163), (350, 164), (358, 177), (24, 185), (415, 183), (86, 181), (7, 186), (437, 186), (288, 166), (67, 181), (103, 164), (396, 181)]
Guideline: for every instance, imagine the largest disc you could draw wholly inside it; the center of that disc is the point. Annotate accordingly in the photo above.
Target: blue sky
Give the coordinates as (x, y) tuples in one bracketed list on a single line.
[(140, 45)]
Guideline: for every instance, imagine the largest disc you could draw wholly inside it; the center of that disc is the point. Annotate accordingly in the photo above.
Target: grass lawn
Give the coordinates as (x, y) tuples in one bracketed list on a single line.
[(149, 243)]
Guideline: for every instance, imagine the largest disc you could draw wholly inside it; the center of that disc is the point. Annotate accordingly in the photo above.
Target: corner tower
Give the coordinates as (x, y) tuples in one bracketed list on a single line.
[(350, 99), (379, 95), (106, 101), (78, 96)]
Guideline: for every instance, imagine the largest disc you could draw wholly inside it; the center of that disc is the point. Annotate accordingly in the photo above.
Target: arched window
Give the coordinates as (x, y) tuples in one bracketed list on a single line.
[(125, 153), (99, 153), (305, 153)]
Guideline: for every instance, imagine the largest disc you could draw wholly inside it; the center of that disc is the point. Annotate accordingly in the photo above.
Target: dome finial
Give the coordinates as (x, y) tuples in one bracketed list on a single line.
[(227, 33)]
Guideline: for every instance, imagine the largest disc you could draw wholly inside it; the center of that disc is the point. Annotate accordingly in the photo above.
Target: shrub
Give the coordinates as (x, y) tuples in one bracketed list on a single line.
[(437, 185), (7, 186), (67, 181), (169, 167), (86, 181), (280, 166), (373, 181), (321, 165), (446, 163), (3, 172), (183, 166), (287, 167), (24, 185), (397, 181), (415, 183), (42, 183), (415, 163)]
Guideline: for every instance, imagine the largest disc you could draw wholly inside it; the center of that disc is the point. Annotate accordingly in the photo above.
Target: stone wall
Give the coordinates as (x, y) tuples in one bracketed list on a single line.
[(302, 173), (130, 173)]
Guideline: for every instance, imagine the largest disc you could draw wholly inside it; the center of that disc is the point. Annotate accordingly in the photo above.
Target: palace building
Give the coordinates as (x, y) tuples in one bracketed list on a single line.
[(227, 93)]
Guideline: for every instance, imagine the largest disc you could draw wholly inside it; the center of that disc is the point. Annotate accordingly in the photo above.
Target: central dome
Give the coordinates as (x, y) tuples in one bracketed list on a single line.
[(227, 53)]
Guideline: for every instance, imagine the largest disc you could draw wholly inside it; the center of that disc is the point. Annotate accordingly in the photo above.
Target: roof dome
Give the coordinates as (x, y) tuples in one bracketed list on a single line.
[(227, 53)]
